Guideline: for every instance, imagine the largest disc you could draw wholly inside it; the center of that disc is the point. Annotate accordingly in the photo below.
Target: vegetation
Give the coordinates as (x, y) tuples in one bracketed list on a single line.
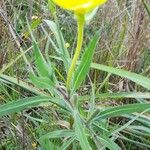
[(105, 102)]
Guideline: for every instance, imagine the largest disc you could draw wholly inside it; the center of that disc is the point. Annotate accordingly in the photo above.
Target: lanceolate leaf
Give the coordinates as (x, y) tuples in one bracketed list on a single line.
[(22, 104), (43, 68), (11, 80), (42, 82), (123, 95), (80, 133), (139, 79), (67, 143), (25, 103), (85, 62), (108, 143), (58, 134), (107, 96), (122, 110), (63, 52)]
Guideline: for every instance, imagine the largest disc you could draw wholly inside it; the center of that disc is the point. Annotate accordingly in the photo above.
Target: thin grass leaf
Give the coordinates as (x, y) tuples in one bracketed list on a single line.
[(42, 67), (126, 125), (108, 143), (139, 79), (26, 103), (63, 52), (121, 110), (140, 128), (107, 96), (42, 82), (143, 119), (35, 23), (45, 71), (58, 134), (11, 80), (22, 104), (123, 95), (85, 62), (147, 7), (144, 145), (47, 144), (67, 143), (80, 132)]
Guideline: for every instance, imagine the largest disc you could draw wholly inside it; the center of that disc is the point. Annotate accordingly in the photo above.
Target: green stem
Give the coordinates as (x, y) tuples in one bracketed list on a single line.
[(80, 21)]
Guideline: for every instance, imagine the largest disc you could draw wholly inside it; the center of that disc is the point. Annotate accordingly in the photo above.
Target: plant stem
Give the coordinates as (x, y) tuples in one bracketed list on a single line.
[(80, 21)]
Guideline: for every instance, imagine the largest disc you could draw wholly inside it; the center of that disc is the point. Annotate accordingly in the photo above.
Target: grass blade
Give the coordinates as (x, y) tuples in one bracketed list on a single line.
[(26, 103), (43, 68), (42, 82), (22, 104), (109, 143), (139, 79), (107, 96), (58, 134), (121, 110), (67, 143), (63, 52), (147, 7), (11, 80)]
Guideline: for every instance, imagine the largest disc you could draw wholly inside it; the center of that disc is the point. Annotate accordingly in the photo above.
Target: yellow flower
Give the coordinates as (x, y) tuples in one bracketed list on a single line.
[(67, 45), (35, 17), (34, 145), (79, 6)]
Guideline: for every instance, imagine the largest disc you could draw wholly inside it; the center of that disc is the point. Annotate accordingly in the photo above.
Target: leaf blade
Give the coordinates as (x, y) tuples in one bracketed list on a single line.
[(63, 52), (22, 104), (139, 79), (80, 133), (25, 103), (121, 110), (85, 62), (107, 96)]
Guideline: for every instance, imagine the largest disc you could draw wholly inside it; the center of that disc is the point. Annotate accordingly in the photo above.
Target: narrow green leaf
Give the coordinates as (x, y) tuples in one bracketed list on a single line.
[(58, 134), (147, 7), (108, 143), (11, 80), (122, 110), (22, 104), (46, 144), (85, 62), (143, 119), (139, 79), (142, 129), (51, 7), (34, 25), (43, 68), (107, 96), (42, 82), (80, 132), (123, 95), (63, 52), (67, 143), (25, 103)]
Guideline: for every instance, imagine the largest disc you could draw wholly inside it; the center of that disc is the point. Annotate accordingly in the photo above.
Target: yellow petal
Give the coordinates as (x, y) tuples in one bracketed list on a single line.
[(79, 6)]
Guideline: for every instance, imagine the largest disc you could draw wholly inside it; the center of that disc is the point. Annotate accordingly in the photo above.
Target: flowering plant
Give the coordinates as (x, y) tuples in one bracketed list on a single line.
[(80, 8), (81, 123)]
